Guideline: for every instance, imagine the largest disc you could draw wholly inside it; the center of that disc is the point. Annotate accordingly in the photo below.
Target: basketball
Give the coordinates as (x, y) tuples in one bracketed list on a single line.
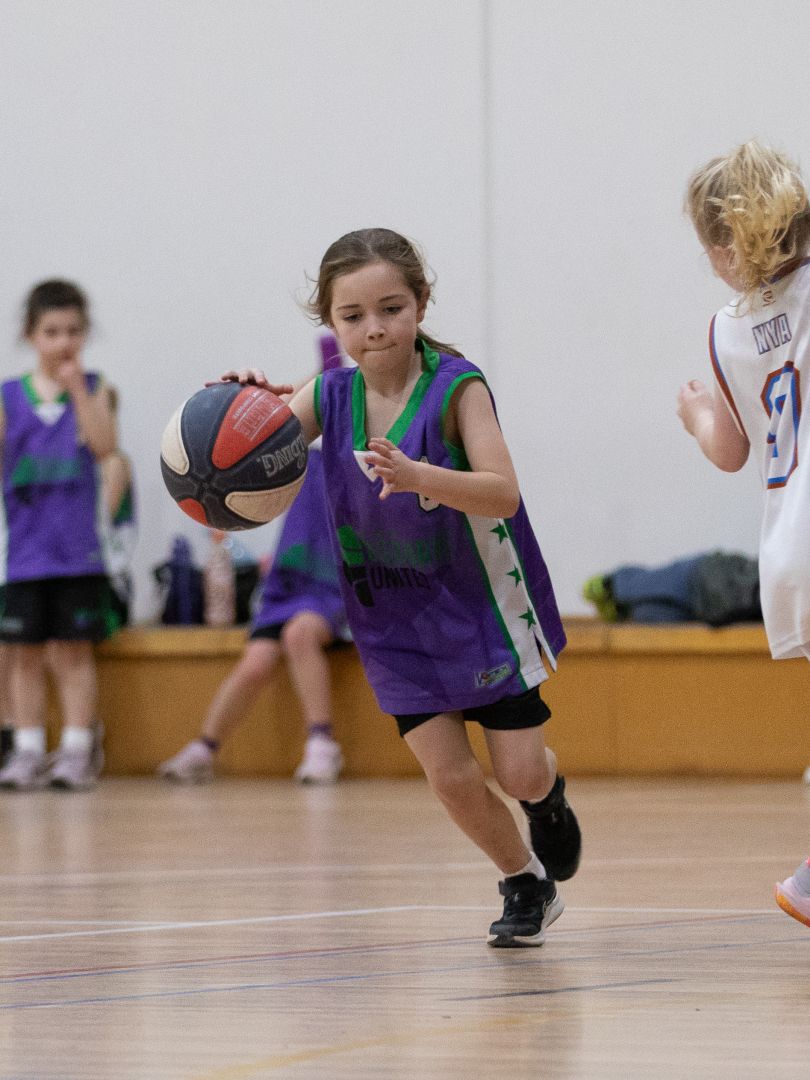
[(233, 457)]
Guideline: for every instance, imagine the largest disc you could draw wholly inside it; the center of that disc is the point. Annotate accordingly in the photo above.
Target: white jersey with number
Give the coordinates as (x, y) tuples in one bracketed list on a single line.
[(760, 351)]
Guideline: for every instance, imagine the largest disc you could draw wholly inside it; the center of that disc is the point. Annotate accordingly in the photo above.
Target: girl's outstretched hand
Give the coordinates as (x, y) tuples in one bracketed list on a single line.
[(253, 377), (694, 400), (397, 471)]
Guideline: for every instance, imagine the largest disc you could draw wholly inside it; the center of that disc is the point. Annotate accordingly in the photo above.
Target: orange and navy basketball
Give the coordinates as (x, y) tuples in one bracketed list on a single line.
[(233, 457)]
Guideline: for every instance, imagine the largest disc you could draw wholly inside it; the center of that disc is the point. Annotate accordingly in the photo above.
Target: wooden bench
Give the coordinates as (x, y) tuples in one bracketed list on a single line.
[(627, 699)]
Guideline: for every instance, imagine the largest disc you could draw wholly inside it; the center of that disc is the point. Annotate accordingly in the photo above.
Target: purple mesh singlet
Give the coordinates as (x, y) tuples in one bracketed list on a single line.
[(51, 491), (448, 610)]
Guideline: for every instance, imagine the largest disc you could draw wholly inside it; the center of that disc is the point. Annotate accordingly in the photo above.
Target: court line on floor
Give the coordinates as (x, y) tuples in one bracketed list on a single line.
[(344, 979), (159, 926), (154, 966), (159, 874)]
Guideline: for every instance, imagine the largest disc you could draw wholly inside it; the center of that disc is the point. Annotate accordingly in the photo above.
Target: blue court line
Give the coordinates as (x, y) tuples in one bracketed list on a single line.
[(361, 950), (566, 989), (421, 973), (235, 961)]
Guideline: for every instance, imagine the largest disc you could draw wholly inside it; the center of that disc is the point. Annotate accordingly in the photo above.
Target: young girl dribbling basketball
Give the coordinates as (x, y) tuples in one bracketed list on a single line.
[(447, 595), (751, 214)]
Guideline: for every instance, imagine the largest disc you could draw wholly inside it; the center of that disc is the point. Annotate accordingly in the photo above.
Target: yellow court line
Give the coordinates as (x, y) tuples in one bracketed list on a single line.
[(244, 1072)]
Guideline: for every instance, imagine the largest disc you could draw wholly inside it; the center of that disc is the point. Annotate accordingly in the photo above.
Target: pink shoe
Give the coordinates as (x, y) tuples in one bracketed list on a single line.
[(194, 764), (25, 770), (792, 901), (322, 762)]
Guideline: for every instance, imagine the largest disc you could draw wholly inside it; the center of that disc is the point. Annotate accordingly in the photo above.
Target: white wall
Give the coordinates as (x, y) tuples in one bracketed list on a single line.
[(188, 161)]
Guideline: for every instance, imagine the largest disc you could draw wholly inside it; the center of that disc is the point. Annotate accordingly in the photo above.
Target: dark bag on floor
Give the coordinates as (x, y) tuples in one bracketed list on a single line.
[(725, 589)]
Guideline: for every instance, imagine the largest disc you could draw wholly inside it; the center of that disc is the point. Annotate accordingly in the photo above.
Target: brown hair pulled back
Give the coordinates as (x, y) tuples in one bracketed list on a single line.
[(356, 250)]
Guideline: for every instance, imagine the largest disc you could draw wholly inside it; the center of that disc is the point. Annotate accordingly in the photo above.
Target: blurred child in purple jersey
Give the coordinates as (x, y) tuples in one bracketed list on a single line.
[(56, 425), (300, 614)]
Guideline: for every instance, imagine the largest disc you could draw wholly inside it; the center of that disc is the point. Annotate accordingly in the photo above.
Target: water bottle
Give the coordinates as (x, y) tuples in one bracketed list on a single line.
[(219, 586)]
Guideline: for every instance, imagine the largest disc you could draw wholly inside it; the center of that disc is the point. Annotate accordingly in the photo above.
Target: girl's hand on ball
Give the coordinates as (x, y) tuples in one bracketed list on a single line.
[(254, 377), (397, 471)]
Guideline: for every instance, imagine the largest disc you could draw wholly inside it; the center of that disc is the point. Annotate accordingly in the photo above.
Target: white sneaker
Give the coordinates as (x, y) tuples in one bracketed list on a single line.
[(25, 770), (74, 770), (194, 764), (322, 762), (793, 902)]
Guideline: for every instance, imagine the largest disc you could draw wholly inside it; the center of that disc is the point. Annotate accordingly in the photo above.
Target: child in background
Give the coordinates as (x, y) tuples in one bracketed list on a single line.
[(446, 592), (751, 214), (299, 615), (56, 425)]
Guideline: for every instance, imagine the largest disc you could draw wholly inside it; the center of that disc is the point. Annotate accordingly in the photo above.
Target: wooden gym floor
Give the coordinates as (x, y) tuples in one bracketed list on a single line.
[(256, 929)]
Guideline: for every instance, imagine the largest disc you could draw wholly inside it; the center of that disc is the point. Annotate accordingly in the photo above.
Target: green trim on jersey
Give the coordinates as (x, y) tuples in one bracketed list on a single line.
[(30, 392), (403, 421), (457, 453), (316, 400)]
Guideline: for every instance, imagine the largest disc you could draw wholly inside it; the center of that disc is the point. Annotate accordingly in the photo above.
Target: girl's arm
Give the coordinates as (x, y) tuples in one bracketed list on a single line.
[(116, 473), (708, 418), (95, 417), (490, 489)]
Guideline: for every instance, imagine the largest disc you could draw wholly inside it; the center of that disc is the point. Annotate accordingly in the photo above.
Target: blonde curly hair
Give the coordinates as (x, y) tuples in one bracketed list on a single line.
[(752, 201)]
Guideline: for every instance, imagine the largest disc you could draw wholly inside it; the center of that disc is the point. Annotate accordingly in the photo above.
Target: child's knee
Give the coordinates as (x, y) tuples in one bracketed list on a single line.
[(256, 665), (302, 634), (527, 780), (456, 783)]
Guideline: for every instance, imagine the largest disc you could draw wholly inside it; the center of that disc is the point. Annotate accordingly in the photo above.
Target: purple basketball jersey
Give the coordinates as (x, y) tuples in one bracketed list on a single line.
[(448, 610), (51, 491)]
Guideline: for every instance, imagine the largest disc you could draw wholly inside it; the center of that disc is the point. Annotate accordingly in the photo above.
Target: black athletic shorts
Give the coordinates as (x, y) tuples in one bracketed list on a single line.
[(57, 609), (273, 632), (524, 710)]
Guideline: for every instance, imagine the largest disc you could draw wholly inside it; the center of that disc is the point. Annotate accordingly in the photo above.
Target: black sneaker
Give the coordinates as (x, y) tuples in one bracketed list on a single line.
[(530, 905), (554, 831)]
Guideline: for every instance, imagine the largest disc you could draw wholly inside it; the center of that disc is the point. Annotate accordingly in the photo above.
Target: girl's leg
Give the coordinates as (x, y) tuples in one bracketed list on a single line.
[(304, 640), (194, 764), (442, 748), (238, 691), (526, 769), (73, 667), (28, 686), (25, 768), (531, 902), (80, 756)]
